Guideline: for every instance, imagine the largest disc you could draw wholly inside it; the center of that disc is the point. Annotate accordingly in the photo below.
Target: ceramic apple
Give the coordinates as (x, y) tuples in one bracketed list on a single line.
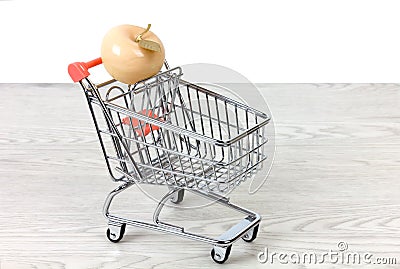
[(127, 59)]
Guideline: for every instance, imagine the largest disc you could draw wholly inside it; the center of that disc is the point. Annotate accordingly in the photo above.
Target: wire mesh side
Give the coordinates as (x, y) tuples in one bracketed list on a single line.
[(170, 129)]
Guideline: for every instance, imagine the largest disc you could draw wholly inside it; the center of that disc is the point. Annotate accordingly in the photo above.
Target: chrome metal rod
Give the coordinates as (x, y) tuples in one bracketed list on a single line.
[(112, 194)]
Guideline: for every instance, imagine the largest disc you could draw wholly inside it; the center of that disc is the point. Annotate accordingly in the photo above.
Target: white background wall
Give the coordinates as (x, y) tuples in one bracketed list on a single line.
[(267, 41)]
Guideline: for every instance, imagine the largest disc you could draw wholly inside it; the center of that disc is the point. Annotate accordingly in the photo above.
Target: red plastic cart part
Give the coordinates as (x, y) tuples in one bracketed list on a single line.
[(80, 70), (138, 125)]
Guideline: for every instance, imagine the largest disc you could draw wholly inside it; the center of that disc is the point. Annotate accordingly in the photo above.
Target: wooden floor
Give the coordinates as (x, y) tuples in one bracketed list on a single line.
[(335, 178)]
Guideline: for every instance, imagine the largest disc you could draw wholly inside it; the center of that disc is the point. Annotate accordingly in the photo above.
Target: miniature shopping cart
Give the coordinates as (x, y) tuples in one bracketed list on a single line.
[(167, 131)]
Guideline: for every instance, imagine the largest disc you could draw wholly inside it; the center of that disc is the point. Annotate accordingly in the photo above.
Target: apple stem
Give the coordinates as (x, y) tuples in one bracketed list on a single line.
[(139, 37)]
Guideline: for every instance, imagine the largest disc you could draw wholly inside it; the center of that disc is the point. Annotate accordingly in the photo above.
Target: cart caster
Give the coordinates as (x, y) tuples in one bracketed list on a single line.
[(178, 196), (115, 233), (220, 254), (251, 234)]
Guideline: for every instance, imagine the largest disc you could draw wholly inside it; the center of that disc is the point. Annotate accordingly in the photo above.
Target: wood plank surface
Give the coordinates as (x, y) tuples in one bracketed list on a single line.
[(335, 178)]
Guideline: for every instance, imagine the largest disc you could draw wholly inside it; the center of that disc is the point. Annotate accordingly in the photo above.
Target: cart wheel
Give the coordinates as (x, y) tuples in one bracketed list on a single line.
[(220, 254), (178, 196), (251, 234), (115, 233)]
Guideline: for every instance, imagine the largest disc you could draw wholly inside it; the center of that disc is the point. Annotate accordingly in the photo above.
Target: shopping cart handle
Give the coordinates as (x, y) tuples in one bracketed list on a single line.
[(80, 70)]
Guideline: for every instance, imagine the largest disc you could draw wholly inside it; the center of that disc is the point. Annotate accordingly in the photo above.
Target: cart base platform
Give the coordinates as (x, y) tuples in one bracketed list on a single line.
[(246, 229)]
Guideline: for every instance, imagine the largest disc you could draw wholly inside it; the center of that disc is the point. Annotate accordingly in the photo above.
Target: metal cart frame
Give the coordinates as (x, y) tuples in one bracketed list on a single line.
[(167, 131)]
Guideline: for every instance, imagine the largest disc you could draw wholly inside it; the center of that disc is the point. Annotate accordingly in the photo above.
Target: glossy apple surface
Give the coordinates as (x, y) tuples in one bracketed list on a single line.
[(125, 60)]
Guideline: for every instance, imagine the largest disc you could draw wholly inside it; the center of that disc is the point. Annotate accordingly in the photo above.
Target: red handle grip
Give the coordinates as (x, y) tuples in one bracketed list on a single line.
[(94, 62), (79, 70)]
